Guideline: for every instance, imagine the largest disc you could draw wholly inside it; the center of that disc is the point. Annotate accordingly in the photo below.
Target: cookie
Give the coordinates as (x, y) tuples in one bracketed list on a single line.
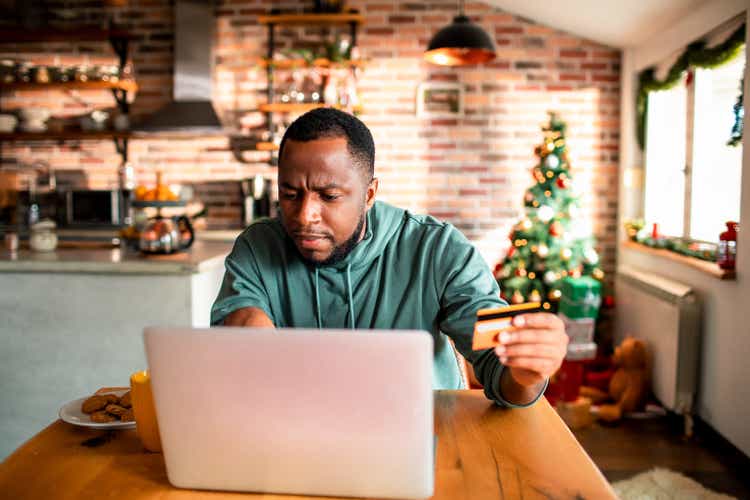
[(125, 400), (102, 417), (94, 403), (114, 409)]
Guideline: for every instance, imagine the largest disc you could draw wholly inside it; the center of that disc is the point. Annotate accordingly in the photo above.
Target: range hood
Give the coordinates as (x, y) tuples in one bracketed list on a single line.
[(191, 108)]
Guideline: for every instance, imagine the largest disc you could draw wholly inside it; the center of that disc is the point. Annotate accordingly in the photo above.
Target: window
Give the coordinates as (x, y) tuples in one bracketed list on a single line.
[(692, 178), (665, 159), (717, 168)]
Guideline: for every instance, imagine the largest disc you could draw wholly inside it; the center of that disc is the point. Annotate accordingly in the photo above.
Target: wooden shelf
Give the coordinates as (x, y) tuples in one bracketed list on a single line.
[(80, 33), (317, 63), (316, 19), (73, 135), (281, 107), (266, 146), (126, 85), (702, 265)]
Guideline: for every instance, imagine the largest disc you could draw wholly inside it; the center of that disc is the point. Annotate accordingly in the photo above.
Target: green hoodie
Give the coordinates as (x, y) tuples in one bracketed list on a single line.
[(408, 272)]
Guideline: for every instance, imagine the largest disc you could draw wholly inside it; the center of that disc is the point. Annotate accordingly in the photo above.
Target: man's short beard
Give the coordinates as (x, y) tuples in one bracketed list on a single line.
[(340, 252)]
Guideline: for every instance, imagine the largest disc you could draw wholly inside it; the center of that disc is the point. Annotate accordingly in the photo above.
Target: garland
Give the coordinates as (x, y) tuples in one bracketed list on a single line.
[(739, 112), (696, 55)]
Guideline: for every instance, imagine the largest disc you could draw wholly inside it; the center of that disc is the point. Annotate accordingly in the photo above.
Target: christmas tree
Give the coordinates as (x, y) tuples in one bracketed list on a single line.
[(552, 241)]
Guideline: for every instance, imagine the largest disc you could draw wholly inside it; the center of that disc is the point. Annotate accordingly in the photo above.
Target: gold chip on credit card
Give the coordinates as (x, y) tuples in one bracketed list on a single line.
[(491, 322)]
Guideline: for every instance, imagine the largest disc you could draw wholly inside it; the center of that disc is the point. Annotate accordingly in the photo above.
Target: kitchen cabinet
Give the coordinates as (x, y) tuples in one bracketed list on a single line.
[(121, 88)]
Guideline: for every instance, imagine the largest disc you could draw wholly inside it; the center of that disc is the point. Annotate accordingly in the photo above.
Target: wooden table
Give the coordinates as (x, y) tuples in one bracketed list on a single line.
[(483, 452)]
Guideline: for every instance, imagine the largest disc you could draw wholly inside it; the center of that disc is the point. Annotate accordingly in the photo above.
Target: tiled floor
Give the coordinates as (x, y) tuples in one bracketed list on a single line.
[(634, 446)]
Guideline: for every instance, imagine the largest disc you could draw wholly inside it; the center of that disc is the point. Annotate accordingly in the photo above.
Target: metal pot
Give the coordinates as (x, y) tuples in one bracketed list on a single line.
[(166, 235)]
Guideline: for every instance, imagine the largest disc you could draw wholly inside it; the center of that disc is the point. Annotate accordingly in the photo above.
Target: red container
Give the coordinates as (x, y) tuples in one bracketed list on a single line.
[(728, 246), (565, 385)]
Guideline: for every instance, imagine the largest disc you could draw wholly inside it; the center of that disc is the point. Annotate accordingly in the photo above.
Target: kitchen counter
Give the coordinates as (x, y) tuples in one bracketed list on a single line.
[(90, 258), (74, 318)]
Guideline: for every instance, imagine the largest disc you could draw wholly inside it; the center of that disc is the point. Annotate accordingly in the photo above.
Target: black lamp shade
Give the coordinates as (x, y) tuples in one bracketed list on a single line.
[(460, 43)]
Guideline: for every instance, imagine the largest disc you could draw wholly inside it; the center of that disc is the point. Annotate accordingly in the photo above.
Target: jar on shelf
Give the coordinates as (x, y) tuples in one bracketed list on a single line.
[(728, 246), (43, 237), (7, 71)]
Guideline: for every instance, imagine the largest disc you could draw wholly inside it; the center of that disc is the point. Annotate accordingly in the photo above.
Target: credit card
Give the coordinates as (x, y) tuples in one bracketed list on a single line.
[(492, 322)]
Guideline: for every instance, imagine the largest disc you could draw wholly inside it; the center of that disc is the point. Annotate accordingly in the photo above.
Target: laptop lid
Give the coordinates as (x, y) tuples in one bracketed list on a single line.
[(316, 412)]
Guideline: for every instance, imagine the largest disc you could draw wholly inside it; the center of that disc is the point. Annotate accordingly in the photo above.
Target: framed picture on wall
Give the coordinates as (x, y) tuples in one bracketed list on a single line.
[(440, 100)]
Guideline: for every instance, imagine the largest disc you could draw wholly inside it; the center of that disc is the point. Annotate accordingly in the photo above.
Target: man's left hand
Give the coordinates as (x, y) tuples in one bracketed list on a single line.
[(535, 349)]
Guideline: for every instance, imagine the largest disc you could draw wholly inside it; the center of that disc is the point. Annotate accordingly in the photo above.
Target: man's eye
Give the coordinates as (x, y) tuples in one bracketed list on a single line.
[(330, 197), (289, 196)]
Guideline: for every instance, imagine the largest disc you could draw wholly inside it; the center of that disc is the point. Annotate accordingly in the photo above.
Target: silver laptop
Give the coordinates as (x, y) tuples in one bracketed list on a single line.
[(311, 412)]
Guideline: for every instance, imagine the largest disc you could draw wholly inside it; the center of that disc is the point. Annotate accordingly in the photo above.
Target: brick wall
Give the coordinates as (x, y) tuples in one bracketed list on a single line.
[(471, 171)]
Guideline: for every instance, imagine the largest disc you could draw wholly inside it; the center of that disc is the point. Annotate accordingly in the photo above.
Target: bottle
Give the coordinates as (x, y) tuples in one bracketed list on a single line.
[(728, 246)]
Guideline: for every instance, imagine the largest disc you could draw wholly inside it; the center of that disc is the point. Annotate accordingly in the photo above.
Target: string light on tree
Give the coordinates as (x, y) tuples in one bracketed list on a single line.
[(517, 298), (566, 253), (542, 251), (535, 296)]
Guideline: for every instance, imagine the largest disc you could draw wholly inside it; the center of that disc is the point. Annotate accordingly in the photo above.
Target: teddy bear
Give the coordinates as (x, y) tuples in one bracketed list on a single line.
[(629, 386)]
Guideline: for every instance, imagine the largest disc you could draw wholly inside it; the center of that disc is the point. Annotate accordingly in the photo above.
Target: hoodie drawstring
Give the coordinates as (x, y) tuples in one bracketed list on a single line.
[(349, 294), (317, 299), (351, 298)]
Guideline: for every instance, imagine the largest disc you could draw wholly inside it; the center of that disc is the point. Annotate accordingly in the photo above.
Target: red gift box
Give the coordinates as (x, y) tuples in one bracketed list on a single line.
[(565, 385)]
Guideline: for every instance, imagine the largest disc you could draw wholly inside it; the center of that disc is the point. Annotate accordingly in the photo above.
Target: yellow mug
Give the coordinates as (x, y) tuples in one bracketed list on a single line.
[(146, 425)]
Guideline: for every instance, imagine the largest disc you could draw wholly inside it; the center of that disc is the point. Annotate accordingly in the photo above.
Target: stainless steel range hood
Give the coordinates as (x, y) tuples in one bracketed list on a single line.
[(191, 108)]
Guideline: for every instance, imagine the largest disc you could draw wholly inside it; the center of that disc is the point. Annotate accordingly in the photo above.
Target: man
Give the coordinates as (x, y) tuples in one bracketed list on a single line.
[(337, 258)]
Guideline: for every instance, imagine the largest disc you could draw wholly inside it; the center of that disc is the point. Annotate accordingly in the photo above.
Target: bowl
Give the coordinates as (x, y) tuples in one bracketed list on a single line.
[(8, 123), (34, 114)]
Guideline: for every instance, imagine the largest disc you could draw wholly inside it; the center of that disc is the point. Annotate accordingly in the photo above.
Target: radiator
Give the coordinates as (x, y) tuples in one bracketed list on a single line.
[(665, 314)]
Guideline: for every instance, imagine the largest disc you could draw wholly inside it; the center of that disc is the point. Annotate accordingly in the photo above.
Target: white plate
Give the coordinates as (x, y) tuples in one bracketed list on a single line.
[(71, 413)]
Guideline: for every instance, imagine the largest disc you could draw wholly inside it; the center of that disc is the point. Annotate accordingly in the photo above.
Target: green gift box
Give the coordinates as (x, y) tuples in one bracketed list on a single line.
[(581, 297)]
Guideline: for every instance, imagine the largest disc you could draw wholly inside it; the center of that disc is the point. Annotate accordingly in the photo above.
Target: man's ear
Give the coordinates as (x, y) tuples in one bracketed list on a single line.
[(372, 190)]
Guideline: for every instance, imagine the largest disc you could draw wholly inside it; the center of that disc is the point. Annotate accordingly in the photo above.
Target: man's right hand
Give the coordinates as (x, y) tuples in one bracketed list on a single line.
[(249, 316)]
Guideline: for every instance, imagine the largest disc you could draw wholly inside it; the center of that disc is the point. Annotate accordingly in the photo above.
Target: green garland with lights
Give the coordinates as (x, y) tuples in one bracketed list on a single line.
[(696, 55)]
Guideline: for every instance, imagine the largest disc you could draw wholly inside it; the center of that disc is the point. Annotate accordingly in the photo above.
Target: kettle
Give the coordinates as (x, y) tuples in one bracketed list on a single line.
[(166, 235)]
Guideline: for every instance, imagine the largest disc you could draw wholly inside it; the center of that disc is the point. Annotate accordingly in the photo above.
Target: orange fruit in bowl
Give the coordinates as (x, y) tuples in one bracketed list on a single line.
[(140, 192)]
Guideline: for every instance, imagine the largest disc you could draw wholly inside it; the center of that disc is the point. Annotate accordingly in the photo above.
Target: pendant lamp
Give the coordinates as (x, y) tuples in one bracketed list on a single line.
[(461, 43)]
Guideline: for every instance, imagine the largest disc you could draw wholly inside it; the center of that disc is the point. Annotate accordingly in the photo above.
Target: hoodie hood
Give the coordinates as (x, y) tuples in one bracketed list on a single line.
[(381, 224)]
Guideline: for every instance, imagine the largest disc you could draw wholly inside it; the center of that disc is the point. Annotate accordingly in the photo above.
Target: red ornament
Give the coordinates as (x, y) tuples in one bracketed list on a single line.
[(556, 229), (609, 301), (563, 182)]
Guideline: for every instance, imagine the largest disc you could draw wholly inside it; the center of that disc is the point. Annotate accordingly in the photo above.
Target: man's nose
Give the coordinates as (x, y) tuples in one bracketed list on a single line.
[(309, 211)]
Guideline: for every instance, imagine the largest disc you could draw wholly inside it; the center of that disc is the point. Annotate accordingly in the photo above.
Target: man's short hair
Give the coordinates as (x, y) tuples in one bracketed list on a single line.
[(329, 123)]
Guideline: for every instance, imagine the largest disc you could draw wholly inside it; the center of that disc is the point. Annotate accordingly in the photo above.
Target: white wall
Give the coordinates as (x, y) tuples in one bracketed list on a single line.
[(724, 380)]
